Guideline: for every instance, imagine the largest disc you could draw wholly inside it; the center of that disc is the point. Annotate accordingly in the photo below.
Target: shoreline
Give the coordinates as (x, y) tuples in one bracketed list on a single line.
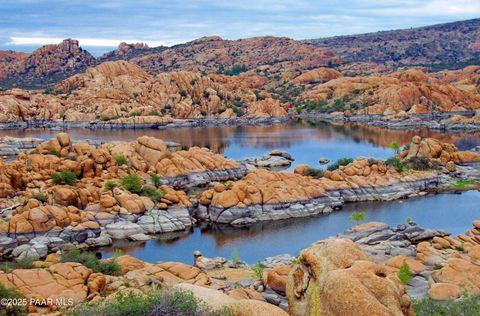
[(417, 121), (93, 125)]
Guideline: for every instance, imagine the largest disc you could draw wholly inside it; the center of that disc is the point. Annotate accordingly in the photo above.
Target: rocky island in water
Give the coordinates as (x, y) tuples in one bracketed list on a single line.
[(106, 155)]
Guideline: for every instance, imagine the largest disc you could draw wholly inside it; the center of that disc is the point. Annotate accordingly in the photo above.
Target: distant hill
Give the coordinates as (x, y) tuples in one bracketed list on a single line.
[(443, 46)]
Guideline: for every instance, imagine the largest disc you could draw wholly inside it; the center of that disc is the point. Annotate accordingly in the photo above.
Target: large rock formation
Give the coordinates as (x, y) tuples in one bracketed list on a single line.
[(45, 66), (121, 92), (335, 277)]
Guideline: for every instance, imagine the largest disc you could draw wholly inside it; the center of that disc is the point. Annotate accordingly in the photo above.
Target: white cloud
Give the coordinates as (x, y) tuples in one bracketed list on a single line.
[(92, 42)]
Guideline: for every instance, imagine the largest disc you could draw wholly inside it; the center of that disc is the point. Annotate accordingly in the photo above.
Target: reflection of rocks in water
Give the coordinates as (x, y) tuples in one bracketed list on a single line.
[(224, 235)]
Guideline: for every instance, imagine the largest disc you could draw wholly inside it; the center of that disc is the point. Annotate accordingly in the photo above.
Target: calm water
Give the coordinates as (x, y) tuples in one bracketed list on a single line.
[(306, 143), (451, 212)]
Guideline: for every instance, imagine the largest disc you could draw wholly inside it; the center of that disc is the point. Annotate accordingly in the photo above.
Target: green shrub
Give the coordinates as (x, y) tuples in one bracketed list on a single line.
[(153, 193), (132, 183), (405, 274), (357, 216), (467, 306), (120, 159), (54, 152), (23, 263), (14, 310), (395, 147), (238, 111), (64, 177), (109, 185), (105, 118), (183, 93), (258, 270), (340, 162), (206, 94), (173, 302), (417, 163), (394, 162), (90, 260), (156, 180), (314, 172)]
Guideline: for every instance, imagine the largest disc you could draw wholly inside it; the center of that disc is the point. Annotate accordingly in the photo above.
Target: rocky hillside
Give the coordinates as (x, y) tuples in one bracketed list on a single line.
[(50, 64), (450, 45), (412, 91), (122, 92)]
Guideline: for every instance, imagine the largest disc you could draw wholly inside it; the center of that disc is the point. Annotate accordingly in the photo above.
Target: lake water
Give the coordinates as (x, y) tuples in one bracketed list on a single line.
[(306, 142)]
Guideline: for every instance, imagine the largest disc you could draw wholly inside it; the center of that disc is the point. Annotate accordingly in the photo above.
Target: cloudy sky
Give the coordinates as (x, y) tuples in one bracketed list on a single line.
[(101, 25)]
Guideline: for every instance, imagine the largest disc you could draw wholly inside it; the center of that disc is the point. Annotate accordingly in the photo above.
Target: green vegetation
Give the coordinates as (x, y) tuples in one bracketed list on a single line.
[(340, 162), (410, 220), (395, 147), (106, 118), (156, 180), (64, 177), (23, 263), (206, 94), (120, 159), (258, 270), (183, 93), (54, 152), (357, 216), (463, 183), (109, 185), (468, 306), (235, 70), (132, 183), (90, 260), (405, 274), (235, 257), (314, 172), (14, 309), (153, 193), (173, 302), (395, 163), (238, 111)]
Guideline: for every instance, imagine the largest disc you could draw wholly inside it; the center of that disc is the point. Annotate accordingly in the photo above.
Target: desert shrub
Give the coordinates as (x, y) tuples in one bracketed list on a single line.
[(90, 260), (156, 179), (54, 152), (258, 269), (105, 118), (64, 177), (314, 172), (19, 263), (238, 111), (340, 162), (132, 183), (109, 185), (120, 159), (173, 302), (153, 193), (395, 163), (357, 216), (417, 163), (405, 274), (395, 147), (465, 307), (183, 93), (11, 293)]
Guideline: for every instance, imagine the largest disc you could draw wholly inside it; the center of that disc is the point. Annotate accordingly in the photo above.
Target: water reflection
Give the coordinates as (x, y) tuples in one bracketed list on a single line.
[(452, 212)]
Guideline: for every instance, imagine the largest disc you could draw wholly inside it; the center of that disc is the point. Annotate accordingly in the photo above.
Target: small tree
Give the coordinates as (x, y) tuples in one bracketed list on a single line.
[(258, 270), (357, 216), (395, 147), (405, 274)]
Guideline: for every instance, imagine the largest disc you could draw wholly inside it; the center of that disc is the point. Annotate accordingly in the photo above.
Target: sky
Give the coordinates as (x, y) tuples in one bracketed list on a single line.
[(101, 25)]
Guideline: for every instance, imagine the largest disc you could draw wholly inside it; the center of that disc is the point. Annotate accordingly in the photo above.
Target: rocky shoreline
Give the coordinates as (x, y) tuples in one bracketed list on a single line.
[(434, 120), (194, 122)]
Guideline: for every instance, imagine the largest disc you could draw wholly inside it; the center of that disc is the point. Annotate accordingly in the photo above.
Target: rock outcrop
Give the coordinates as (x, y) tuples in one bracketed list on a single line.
[(335, 277)]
